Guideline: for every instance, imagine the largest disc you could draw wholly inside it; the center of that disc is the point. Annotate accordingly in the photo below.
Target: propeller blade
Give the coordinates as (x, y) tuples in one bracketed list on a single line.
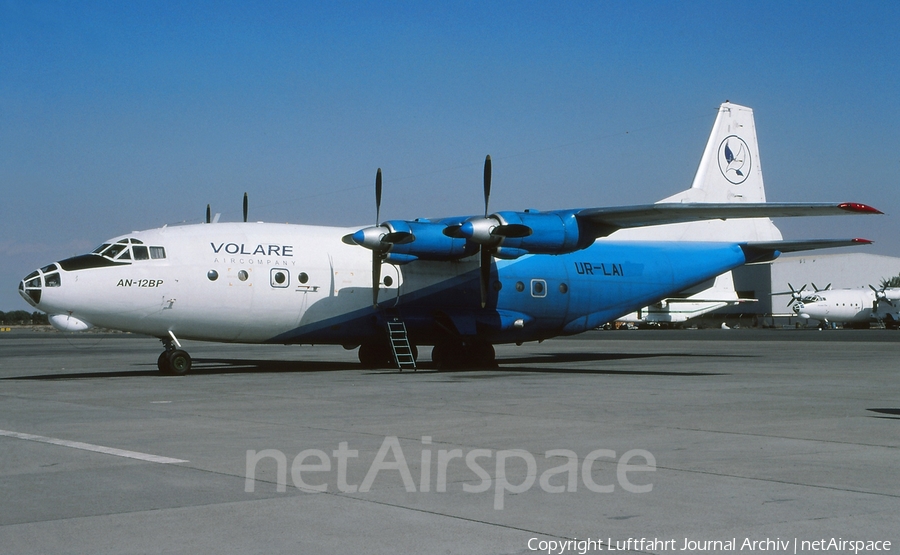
[(376, 253), (378, 196), (208, 214), (376, 276), (485, 274), (487, 183), (245, 207)]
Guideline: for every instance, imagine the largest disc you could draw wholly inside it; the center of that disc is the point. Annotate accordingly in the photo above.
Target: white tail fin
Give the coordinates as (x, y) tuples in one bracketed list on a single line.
[(729, 171)]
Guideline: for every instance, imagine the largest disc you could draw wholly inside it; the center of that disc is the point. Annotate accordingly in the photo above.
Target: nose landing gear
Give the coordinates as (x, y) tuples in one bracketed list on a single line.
[(173, 361)]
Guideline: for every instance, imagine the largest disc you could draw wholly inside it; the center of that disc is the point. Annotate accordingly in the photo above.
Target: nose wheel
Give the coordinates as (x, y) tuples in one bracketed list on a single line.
[(173, 361)]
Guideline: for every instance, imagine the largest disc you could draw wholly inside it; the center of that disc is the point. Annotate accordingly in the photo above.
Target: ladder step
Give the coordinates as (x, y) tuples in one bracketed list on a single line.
[(400, 346)]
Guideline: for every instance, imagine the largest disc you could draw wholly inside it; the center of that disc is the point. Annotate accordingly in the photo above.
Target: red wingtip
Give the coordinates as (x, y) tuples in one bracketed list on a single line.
[(863, 241), (859, 207)]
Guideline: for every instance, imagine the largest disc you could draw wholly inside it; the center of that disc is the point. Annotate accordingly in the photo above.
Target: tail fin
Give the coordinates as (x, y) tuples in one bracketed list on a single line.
[(729, 169), (729, 172)]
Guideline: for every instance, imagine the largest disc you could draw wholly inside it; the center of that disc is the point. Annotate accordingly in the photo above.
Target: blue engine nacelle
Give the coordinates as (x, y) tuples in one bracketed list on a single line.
[(430, 243), (551, 233)]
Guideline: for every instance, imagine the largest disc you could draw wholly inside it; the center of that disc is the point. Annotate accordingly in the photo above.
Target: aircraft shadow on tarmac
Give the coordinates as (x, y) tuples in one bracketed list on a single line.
[(894, 414), (210, 366)]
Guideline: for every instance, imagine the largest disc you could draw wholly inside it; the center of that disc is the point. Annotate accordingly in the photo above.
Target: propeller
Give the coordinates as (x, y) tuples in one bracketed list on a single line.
[(379, 239), (881, 295), (488, 231), (245, 207), (796, 294), (817, 290)]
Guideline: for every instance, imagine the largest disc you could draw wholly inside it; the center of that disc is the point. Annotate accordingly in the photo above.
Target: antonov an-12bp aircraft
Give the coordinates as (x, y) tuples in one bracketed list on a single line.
[(461, 284)]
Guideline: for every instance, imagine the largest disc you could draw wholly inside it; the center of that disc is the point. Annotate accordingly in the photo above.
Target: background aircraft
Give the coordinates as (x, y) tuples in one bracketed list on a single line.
[(689, 304), (459, 283), (850, 307)]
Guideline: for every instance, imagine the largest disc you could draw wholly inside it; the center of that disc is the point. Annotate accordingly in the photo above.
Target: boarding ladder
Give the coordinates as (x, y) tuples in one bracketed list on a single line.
[(403, 354)]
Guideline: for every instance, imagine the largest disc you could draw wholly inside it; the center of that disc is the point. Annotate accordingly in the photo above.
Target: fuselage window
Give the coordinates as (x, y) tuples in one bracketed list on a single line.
[(140, 253), (157, 253), (212, 275), (538, 288), (243, 275), (280, 278)]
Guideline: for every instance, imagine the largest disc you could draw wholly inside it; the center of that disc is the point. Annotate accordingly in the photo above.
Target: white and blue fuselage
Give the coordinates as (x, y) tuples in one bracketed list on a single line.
[(281, 283)]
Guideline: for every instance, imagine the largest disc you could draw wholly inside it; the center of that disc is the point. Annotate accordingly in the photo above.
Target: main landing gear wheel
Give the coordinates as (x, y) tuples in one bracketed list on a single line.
[(464, 355), (373, 355), (174, 363)]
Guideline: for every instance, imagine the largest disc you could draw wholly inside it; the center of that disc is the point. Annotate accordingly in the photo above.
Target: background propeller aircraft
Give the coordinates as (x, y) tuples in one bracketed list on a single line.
[(461, 284), (851, 307)]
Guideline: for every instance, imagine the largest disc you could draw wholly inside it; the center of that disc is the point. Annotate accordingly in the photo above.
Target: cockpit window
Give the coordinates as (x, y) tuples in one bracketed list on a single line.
[(113, 250), (140, 253), (126, 250), (51, 280)]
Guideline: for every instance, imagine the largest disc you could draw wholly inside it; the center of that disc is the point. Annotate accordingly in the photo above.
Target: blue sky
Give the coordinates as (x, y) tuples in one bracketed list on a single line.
[(117, 116)]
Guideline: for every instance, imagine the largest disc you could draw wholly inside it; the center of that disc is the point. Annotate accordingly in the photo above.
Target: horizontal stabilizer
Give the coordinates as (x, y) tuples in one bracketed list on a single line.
[(608, 220), (707, 300), (763, 251)]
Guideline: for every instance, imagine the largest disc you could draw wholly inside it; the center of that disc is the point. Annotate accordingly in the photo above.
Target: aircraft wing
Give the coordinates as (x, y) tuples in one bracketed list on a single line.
[(608, 220)]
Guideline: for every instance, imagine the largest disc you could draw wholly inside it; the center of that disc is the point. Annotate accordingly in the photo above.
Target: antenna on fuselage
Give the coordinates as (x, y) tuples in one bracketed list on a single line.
[(245, 207), (208, 214)]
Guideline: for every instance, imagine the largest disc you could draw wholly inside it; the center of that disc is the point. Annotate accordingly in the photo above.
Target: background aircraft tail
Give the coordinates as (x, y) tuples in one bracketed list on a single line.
[(729, 172)]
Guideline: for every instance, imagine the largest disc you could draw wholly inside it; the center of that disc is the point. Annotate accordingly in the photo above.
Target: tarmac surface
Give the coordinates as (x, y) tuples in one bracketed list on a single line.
[(776, 436)]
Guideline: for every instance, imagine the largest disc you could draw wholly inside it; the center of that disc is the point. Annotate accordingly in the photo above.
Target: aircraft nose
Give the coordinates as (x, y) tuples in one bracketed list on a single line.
[(31, 287)]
